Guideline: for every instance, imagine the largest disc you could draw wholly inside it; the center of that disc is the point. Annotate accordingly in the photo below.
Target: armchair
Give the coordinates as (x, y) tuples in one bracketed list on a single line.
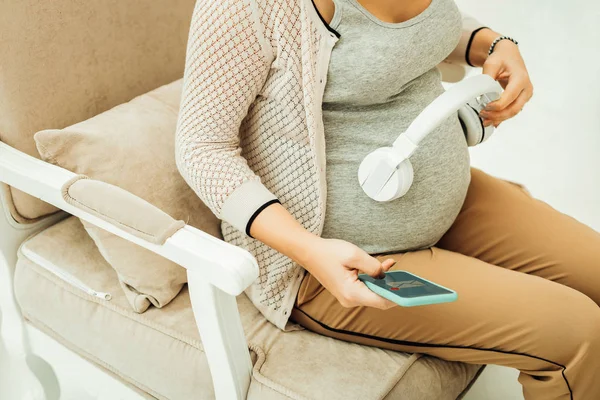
[(217, 271)]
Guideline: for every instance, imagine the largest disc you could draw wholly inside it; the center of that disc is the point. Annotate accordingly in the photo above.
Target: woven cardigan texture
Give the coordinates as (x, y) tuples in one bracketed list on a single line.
[(250, 126)]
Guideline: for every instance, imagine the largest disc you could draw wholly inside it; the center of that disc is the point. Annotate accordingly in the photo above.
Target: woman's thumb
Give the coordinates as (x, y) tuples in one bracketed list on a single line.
[(492, 68), (371, 266), (387, 264)]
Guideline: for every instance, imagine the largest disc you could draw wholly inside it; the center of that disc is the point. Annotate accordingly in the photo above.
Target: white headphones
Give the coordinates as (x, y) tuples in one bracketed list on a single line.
[(386, 173)]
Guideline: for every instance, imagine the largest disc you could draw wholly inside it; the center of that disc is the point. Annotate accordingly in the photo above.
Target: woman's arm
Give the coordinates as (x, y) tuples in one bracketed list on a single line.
[(277, 228), (470, 28), (474, 42), (222, 77), (480, 44), (505, 64), (334, 263)]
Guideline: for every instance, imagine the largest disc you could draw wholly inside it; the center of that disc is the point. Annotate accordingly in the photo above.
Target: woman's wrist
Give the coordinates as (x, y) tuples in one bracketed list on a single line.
[(304, 248), (278, 229), (480, 46)]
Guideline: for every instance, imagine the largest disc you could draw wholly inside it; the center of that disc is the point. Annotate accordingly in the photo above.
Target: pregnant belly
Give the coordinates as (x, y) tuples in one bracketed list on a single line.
[(418, 219)]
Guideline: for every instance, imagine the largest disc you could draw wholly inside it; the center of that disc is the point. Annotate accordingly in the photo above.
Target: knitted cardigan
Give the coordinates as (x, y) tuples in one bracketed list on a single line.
[(250, 129)]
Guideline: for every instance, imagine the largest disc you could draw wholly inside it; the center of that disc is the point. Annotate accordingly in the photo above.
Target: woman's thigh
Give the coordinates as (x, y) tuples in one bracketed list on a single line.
[(501, 317), (501, 224)]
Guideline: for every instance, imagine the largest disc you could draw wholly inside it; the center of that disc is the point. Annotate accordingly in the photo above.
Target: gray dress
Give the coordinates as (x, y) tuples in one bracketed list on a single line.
[(381, 76)]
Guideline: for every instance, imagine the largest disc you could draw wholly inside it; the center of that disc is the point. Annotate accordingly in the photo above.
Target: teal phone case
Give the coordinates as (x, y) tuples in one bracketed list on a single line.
[(408, 290)]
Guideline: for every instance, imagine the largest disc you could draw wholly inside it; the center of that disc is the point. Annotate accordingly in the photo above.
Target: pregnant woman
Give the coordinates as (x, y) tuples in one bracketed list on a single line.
[(281, 102)]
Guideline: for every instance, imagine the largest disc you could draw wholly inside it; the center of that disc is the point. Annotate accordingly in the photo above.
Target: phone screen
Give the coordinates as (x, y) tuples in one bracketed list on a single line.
[(405, 284)]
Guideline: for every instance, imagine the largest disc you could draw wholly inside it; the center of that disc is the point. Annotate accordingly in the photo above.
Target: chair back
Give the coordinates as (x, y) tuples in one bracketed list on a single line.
[(64, 61)]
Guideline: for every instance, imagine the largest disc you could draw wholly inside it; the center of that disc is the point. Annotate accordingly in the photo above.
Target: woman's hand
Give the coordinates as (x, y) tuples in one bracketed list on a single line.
[(333, 262), (336, 264), (506, 65)]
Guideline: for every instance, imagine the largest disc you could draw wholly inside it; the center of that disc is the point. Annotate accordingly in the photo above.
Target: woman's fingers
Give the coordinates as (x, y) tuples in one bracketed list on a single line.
[(513, 89), (388, 263), (507, 67), (493, 67), (513, 109), (487, 122), (360, 295), (365, 262)]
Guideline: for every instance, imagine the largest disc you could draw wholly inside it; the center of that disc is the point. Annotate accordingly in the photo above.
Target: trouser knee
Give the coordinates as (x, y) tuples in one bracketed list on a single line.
[(574, 332)]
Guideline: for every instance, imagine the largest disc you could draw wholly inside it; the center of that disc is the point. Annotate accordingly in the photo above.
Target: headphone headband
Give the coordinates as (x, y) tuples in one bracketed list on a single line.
[(386, 173), (442, 107)]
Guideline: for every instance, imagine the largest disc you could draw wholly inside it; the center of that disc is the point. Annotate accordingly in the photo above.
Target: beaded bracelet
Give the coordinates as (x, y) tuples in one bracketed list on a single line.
[(499, 38)]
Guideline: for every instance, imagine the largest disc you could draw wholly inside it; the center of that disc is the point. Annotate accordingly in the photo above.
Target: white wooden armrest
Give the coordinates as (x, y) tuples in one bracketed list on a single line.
[(228, 267), (217, 270)]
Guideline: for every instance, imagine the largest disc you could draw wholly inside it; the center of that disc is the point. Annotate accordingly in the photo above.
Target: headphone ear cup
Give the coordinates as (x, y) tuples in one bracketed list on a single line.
[(487, 132), (472, 125), (398, 184), (406, 176)]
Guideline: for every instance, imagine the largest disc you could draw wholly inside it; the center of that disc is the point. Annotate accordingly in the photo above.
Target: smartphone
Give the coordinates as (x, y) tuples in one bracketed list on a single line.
[(408, 290)]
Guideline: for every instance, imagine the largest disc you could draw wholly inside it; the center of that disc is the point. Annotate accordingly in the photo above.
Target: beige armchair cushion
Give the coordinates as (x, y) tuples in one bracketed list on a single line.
[(132, 146)]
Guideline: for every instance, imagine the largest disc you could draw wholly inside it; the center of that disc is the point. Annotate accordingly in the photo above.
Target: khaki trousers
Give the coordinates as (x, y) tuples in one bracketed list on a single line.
[(528, 284)]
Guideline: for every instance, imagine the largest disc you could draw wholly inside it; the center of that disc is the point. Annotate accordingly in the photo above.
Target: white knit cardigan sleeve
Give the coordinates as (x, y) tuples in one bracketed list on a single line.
[(227, 63)]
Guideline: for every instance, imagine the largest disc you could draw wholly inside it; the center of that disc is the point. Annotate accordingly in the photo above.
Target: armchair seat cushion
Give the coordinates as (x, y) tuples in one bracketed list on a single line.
[(67, 289)]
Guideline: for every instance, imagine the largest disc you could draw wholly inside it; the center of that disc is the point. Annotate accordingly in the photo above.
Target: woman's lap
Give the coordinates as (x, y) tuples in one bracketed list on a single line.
[(501, 224), (524, 274)]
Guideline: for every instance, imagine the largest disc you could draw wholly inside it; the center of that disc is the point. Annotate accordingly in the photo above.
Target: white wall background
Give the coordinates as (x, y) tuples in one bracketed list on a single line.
[(553, 145)]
